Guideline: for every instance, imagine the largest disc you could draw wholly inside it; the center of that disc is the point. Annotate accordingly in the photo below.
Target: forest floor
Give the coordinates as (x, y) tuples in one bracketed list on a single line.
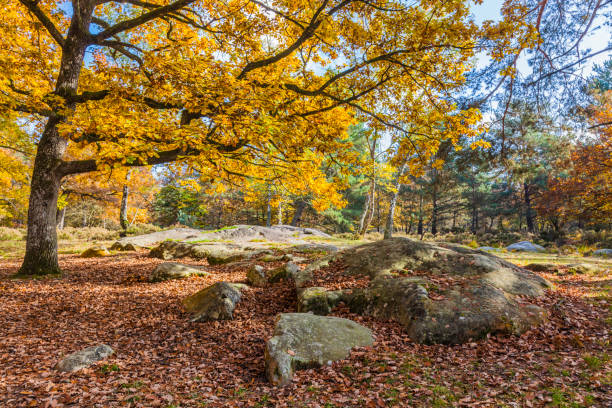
[(162, 359)]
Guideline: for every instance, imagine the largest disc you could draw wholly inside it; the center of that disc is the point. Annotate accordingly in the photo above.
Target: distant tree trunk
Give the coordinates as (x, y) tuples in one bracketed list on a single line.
[(269, 211), (60, 218), (454, 219), (123, 212), (420, 225), (474, 226), (368, 210), (528, 210), (434, 210), (391, 214), (297, 215), (280, 213)]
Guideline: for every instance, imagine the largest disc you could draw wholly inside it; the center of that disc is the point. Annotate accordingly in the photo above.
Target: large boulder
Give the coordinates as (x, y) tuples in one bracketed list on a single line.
[(214, 253), (84, 358), (453, 294), (604, 252), (171, 270), (525, 246), (216, 302), (236, 233), (303, 340), (97, 251)]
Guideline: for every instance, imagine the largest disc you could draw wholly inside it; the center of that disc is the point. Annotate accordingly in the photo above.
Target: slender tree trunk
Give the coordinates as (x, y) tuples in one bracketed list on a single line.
[(434, 210), (528, 210), (420, 225), (123, 212), (41, 243), (391, 214), (269, 211), (297, 215), (280, 213), (61, 217)]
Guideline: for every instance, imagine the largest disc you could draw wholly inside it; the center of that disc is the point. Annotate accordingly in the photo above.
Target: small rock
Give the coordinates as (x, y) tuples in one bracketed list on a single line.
[(286, 271), (216, 302), (317, 300), (582, 269), (256, 276), (172, 270), (84, 358), (124, 246), (95, 252), (542, 267), (489, 249), (303, 340), (526, 246), (604, 252)]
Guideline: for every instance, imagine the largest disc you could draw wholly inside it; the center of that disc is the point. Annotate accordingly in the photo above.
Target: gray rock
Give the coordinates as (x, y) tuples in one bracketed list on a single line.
[(256, 276), (235, 233), (216, 302), (583, 269), (317, 300), (314, 247), (287, 271), (172, 270), (478, 298), (526, 246), (543, 267), (488, 248), (124, 246), (604, 252), (214, 253), (84, 358), (303, 340)]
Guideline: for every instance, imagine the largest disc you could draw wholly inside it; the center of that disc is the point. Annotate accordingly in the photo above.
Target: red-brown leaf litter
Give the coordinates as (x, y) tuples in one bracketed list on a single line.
[(163, 360)]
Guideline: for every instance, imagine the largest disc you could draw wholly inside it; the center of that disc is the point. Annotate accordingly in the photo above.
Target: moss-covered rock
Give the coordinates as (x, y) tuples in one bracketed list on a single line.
[(83, 358), (454, 293), (286, 271), (542, 267), (124, 246), (216, 302), (95, 252), (214, 253), (317, 300), (256, 276), (172, 270), (303, 340)]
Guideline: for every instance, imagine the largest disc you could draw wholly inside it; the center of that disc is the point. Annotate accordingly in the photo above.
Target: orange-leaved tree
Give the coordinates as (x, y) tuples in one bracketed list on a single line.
[(223, 82)]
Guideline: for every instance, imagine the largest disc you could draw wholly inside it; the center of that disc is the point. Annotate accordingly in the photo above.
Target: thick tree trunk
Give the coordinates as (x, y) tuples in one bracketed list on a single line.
[(41, 243), (528, 210), (392, 204), (268, 212), (297, 215)]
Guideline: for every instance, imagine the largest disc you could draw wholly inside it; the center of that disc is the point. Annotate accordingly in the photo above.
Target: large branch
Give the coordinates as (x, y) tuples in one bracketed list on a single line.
[(86, 166), (45, 20), (140, 20)]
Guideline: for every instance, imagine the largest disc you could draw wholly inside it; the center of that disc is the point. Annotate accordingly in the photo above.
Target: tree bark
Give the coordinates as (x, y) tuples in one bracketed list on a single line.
[(123, 216), (392, 204), (61, 217), (528, 210), (41, 242), (297, 215), (434, 209)]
